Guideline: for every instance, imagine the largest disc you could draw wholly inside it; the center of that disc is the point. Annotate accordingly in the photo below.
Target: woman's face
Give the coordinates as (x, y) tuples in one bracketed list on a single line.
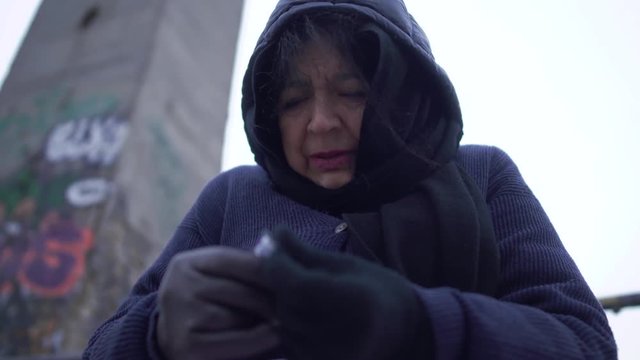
[(320, 115)]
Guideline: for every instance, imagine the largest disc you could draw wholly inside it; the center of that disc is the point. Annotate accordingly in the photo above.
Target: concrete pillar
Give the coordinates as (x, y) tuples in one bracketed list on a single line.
[(111, 121)]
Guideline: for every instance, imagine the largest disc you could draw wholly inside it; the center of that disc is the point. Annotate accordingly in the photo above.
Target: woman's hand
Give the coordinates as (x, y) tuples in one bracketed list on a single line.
[(337, 306), (213, 304)]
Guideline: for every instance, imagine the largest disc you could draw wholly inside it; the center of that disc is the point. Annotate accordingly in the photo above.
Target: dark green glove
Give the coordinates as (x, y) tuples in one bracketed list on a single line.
[(337, 306)]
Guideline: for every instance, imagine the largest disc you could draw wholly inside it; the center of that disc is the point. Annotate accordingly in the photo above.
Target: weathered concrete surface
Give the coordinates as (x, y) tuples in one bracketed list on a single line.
[(111, 121)]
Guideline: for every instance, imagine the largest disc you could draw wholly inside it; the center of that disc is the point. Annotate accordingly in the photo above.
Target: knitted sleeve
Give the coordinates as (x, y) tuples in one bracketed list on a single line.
[(543, 310), (130, 333)]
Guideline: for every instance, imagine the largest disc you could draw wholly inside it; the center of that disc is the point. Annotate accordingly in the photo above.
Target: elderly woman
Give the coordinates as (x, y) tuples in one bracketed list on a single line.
[(382, 238)]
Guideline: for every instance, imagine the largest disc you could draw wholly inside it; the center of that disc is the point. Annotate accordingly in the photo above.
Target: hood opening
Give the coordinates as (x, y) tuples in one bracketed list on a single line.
[(412, 112)]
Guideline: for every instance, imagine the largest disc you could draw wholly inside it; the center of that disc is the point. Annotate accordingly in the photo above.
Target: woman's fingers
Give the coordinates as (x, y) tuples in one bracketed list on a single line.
[(225, 262), (196, 280), (213, 317), (213, 304), (234, 296)]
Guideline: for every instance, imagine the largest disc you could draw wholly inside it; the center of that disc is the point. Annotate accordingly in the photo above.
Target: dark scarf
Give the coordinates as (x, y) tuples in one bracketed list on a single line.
[(409, 206)]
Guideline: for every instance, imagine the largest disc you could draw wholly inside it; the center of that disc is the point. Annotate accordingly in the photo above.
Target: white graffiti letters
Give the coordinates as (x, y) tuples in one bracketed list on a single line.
[(96, 140), (88, 192)]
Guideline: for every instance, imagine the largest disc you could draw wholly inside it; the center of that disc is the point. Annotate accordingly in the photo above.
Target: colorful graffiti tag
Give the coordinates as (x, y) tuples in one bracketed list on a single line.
[(55, 261), (47, 263), (42, 250), (43, 247), (56, 156)]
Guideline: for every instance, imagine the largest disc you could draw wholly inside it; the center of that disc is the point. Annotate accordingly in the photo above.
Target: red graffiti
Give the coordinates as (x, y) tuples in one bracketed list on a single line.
[(47, 262)]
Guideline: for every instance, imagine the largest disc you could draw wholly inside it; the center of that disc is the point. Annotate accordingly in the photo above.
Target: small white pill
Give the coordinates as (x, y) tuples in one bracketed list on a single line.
[(265, 246)]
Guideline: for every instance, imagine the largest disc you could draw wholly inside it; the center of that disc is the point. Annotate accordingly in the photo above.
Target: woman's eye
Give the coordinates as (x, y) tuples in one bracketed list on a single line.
[(291, 103), (359, 94)]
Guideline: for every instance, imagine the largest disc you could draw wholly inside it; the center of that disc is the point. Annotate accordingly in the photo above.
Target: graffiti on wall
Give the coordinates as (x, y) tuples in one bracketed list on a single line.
[(37, 116), (88, 192), (97, 140), (55, 261), (43, 246), (47, 262), (57, 153), (42, 249)]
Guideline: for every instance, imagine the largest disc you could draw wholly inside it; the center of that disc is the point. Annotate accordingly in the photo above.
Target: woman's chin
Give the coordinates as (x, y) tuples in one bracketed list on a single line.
[(333, 180)]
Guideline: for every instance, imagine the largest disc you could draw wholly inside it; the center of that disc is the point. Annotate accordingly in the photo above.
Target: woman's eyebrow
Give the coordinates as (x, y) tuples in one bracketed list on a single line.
[(296, 84)]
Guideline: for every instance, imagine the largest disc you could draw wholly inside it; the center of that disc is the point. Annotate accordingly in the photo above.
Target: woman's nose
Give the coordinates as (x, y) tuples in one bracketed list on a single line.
[(324, 117)]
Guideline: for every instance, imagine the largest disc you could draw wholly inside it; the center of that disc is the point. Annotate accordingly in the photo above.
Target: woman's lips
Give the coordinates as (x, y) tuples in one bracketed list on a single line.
[(331, 160)]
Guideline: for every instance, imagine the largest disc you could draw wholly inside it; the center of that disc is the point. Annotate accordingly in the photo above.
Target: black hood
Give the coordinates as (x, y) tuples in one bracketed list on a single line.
[(396, 151)]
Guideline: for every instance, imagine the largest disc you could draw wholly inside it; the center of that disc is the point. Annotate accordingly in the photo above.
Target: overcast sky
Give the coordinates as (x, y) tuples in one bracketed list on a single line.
[(556, 84)]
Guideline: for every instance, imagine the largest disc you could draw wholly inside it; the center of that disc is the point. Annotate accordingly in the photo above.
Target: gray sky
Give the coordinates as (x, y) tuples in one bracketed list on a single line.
[(554, 83), (15, 17)]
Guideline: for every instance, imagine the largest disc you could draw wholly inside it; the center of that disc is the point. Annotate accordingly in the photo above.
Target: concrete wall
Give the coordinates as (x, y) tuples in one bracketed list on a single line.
[(111, 121)]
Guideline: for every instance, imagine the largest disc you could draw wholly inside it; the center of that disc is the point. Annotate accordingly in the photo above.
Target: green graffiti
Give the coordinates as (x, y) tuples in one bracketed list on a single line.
[(29, 125), (47, 193), (87, 107)]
